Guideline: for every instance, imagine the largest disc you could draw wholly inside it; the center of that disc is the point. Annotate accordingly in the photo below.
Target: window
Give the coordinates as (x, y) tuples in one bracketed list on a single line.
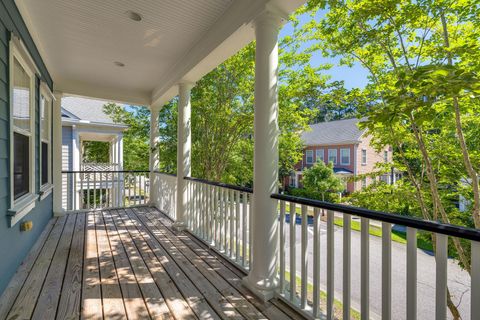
[(23, 127), (45, 133), (385, 156), (309, 156), (332, 156), (22, 138), (293, 179), (319, 155), (345, 156), (364, 156), (364, 182)]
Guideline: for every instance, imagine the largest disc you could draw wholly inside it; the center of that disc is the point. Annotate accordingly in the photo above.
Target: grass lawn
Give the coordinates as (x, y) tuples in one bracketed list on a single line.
[(337, 304), (396, 235)]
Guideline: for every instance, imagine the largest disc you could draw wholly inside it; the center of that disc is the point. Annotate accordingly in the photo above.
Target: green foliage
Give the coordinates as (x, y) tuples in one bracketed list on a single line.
[(96, 152), (321, 180), (136, 138)]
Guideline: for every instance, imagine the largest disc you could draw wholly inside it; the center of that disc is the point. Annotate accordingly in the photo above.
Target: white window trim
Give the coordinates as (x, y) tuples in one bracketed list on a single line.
[(320, 152), (336, 156), (364, 163), (22, 206), (341, 157), (306, 156), (45, 92)]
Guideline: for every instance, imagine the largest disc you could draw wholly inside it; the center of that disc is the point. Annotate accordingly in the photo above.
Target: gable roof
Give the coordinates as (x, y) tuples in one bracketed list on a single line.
[(85, 109), (333, 132)]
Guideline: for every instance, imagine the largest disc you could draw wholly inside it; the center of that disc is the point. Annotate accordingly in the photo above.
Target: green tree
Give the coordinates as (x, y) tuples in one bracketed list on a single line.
[(423, 60), (96, 152), (136, 139), (321, 179)]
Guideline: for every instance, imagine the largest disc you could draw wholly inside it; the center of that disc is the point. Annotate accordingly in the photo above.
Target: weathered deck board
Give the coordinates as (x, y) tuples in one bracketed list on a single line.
[(139, 252), (232, 295), (91, 291), (46, 307), (128, 263), (112, 299), (192, 295), (15, 285), (27, 298), (70, 301)]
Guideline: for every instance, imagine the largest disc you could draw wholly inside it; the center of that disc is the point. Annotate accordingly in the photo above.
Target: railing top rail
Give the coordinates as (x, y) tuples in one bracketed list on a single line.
[(108, 171), (221, 184), (431, 226), (165, 173)]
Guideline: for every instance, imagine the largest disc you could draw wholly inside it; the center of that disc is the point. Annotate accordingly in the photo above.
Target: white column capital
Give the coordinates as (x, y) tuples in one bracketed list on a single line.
[(272, 16), (58, 95), (185, 85)]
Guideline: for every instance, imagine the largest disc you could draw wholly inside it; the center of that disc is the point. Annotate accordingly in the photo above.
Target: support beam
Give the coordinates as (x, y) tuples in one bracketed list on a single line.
[(154, 154), (262, 279), (184, 143), (57, 154)]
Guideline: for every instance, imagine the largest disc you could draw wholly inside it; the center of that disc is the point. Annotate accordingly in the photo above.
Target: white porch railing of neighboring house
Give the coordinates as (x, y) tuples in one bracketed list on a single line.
[(92, 189), (220, 215)]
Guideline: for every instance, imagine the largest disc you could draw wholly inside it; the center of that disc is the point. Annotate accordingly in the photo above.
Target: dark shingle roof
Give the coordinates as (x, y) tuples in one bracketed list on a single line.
[(333, 132)]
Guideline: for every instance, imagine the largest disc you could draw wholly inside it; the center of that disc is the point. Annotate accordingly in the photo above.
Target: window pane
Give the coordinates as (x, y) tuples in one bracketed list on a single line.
[(332, 156), (319, 155), (345, 156), (44, 163), (44, 118), (364, 156), (21, 170), (21, 97), (309, 156)]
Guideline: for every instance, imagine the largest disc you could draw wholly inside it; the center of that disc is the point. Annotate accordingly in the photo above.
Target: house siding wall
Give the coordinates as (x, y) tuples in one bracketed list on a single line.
[(14, 245), (373, 157)]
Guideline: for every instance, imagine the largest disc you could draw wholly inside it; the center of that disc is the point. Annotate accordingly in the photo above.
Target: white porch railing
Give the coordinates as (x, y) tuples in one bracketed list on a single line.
[(220, 215), (164, 193), (304, 292), (89, 190)]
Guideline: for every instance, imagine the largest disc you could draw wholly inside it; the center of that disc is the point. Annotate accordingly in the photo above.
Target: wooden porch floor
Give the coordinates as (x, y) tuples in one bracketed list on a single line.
[(128, 264)]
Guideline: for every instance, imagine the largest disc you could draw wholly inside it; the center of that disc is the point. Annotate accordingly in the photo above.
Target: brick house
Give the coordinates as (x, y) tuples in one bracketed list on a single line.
[(348, 147)]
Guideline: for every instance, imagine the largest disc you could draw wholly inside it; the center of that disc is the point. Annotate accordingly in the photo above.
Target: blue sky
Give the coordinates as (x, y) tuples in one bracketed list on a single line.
[(354, 77)]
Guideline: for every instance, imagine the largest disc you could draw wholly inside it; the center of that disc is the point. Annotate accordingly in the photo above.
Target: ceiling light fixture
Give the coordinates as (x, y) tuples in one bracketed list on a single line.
[(119, 64), (134, 16)]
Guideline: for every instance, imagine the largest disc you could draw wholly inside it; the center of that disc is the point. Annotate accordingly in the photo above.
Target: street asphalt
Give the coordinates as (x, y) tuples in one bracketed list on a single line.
[(458, 279)]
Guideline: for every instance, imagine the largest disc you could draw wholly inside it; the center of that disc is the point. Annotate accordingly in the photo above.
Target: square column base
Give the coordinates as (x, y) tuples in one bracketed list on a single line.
[(264, 294), (179, 226)]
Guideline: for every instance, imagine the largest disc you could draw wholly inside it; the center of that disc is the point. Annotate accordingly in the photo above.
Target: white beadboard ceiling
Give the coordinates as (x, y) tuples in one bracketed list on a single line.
[(80, 40)]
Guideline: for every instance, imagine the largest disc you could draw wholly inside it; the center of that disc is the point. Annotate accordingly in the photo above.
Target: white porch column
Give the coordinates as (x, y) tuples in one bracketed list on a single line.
[(184, 143), (262, 279), (120, 151), (154, 153), (57, 154)]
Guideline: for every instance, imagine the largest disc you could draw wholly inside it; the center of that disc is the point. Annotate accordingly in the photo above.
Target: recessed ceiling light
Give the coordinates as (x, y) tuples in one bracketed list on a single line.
[(119, 64), (134, 15)]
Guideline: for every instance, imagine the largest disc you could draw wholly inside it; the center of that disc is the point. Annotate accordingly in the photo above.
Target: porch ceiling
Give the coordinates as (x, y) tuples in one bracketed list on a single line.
[(81, 40)]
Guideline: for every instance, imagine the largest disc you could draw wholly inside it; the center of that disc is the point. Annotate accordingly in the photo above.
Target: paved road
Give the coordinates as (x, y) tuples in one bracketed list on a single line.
[(458, 280)]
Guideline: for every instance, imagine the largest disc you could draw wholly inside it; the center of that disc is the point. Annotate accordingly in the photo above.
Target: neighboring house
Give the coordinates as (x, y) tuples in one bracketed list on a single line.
[(84, 120), (348, 147)]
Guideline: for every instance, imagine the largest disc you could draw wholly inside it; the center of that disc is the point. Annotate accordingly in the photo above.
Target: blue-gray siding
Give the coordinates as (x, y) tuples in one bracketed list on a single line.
[(14, 245)]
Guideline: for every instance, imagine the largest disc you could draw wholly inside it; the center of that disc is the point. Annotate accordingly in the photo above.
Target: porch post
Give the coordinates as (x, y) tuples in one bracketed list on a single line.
[(183, 152), (57, 154), (262, 279), (154, 154)]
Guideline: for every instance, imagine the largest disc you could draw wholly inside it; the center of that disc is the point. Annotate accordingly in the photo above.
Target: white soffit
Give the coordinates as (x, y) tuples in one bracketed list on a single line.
[(80, 41)]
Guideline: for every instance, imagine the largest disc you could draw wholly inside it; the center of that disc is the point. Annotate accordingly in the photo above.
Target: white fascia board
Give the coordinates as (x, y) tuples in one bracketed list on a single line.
[(89, 124)]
